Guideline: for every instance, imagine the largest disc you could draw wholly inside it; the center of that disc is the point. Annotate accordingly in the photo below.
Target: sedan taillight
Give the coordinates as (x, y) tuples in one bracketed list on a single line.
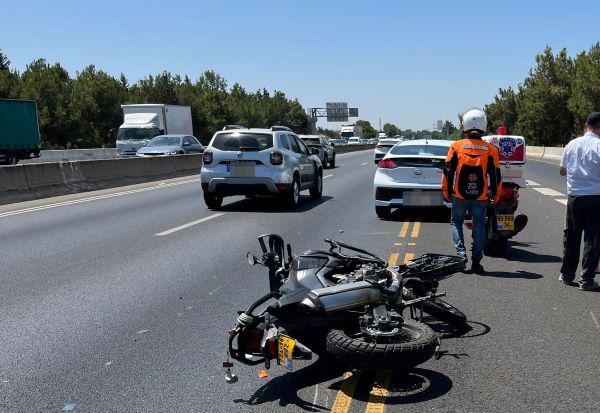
[(276, 158), (387, 164), (207, 157)]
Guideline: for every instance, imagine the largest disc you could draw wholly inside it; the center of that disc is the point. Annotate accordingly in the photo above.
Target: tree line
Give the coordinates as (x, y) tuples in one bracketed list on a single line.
[(80, 111), (551, 105)]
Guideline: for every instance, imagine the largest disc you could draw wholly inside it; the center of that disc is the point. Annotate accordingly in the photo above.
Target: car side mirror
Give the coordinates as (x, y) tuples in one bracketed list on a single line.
[(315, 151), (187, 144)]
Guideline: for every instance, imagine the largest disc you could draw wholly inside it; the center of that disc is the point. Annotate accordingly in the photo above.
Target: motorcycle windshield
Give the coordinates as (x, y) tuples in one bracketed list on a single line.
[(303, 272)]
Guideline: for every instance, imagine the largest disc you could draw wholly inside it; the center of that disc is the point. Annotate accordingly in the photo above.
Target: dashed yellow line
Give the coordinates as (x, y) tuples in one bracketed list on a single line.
[(404, 229), (409, 257), (344, 397), (415, 230), (393, 259), (379, 392)]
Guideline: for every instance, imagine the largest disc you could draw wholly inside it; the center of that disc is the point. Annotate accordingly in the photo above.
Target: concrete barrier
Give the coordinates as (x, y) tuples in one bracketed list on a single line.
[(38, 180), (545, 152), (76, 154)]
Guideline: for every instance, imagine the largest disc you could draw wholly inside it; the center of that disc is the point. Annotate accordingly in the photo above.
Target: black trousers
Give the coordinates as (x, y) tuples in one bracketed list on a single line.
[(583, 216)]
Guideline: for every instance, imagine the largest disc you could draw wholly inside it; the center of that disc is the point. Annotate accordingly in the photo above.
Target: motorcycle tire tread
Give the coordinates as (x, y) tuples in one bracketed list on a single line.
[(383, 356)]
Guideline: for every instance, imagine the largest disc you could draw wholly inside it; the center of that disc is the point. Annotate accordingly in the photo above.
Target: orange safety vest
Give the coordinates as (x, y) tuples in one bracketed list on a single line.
[(468, 164)]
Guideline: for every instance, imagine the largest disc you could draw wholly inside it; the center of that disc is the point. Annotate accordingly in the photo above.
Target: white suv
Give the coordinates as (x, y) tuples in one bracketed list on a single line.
[(241, 161)]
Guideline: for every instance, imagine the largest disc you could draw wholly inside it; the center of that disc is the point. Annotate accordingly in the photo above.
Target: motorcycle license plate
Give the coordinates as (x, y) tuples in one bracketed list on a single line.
[(285, 349), (506, 222)]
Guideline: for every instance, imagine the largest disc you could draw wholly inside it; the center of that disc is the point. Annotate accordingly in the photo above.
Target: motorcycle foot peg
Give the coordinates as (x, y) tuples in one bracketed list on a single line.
[(230, 378)]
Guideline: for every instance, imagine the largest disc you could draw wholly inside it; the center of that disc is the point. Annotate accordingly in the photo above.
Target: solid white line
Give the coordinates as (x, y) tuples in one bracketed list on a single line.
[(562, 200), (532, 183), (364, 163), (96, 198), (327, 176), (189, 224), (548, 191)]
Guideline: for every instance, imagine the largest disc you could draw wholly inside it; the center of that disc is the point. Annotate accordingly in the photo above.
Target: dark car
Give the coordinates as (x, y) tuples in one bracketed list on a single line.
[(326, 150)]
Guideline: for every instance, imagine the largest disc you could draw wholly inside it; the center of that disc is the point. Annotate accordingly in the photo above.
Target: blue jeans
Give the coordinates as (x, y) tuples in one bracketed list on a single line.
[(478, 212)]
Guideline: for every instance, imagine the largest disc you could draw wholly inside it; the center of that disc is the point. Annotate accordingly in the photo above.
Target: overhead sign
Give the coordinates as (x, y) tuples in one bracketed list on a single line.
[(353, 112), (337, 111)]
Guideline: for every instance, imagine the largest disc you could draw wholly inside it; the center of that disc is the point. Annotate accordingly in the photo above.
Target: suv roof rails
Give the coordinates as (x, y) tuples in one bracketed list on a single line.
[(279, 127), (229, 127)]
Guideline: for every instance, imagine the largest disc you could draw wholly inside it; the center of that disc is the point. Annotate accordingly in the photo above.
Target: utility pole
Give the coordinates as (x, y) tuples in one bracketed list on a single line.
[(379, 124)]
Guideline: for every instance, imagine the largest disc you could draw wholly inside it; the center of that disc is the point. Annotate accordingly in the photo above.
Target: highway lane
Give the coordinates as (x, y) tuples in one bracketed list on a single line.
[(99, 311)]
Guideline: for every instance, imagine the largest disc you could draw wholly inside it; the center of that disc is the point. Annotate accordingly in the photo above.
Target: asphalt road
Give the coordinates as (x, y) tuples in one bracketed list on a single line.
[(122, 302)]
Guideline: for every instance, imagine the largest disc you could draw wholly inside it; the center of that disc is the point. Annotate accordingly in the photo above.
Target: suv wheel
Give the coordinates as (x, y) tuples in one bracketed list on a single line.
[(292, 198), (213, 201), (317, 190), (325, 161), (332, 163)]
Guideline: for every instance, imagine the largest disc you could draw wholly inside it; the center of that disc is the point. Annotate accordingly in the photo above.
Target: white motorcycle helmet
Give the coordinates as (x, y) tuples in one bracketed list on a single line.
[(474, 119)]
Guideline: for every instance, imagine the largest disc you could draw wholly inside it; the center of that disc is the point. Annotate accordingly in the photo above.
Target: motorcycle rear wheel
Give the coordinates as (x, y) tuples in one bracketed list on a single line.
[(415, 345)]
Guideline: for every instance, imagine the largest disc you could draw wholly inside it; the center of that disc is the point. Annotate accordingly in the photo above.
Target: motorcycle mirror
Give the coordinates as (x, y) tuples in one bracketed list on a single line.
[(252, 260)]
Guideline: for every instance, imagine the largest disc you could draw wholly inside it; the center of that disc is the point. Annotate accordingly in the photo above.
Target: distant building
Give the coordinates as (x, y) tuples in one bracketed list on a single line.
[(440, 125)]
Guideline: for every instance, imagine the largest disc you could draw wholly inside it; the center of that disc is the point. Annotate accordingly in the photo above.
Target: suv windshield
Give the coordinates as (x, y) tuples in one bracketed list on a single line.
[(165, 141), (420, 150), (135, 134), (239, 141), (311, 141)]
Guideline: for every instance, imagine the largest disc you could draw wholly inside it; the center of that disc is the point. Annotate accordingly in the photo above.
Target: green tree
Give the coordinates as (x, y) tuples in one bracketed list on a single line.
[(543, 112), (95, 108), (391, 130), (585, 95), (333, 134), (503, 110), (369, 132), (50, 86), (448, 129), (9, 80)]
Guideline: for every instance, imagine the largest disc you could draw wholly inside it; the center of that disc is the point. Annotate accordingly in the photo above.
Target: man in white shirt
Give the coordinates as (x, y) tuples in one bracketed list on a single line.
[(581, 164)]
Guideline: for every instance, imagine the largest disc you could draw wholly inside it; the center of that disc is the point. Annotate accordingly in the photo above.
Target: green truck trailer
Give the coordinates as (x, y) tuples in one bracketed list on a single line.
[(19, 131)]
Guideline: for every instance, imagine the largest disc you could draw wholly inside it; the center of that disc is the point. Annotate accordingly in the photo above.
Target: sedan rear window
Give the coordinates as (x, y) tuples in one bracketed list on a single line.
[(311, 141), (420, 150), (238, 141)]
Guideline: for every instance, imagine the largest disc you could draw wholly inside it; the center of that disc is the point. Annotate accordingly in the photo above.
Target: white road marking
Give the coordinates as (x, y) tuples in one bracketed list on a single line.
[(316, 395), (189, 224), (364, 163), (562, 200), (595, 321), (532, 183), (327, 176), (548, 191), (162, 185)]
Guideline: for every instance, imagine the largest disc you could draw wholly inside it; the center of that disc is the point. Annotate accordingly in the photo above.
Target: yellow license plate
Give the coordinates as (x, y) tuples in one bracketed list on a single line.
[(506, 222), (285, 350)]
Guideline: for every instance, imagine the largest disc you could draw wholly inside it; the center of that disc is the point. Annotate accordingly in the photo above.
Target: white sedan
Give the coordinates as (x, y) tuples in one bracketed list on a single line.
[(410, 174), (383, 146)]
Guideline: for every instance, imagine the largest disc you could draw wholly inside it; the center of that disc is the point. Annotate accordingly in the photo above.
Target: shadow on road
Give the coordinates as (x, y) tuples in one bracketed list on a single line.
[(284, 389), (521, 255), (518, 274), (273, 205), (446, 331), (430, 215)]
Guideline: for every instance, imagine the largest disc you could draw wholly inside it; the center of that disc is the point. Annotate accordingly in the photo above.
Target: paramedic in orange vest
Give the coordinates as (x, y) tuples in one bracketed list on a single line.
[(471, 180)]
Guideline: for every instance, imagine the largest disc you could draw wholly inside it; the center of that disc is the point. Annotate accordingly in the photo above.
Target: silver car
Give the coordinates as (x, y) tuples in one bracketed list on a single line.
[(326, 150), (163, 145), (275, 161)]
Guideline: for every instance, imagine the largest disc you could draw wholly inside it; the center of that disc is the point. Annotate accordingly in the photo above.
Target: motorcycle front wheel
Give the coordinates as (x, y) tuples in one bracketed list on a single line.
[(413, 345)]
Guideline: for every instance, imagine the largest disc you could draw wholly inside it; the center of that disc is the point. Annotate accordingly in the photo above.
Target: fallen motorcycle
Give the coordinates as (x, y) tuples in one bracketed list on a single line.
[(345, 303)]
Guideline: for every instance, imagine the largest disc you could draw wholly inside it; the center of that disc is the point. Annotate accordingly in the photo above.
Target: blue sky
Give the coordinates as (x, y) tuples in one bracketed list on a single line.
[(408, 63)]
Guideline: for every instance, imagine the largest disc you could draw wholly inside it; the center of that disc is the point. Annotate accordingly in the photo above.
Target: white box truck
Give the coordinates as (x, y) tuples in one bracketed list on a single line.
[(351, 131), (144, 121)]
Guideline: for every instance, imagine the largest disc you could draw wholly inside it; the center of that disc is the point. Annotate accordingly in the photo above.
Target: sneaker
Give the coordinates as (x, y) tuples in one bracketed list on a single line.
[(477, 268), (567, 281), (589, 286)]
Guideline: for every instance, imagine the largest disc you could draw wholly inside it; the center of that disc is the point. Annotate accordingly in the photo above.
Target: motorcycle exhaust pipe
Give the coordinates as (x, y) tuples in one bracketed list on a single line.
[(341, 297)]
